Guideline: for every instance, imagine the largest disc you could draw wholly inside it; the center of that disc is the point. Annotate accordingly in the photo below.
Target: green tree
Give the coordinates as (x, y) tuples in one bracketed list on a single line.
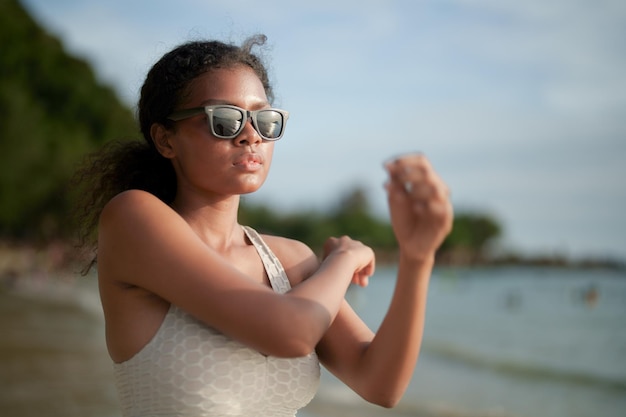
[(472, 232), (353, 217), (52, 112)]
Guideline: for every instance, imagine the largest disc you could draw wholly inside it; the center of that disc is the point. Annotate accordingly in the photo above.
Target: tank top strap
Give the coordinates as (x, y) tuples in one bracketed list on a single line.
[(275, 271)]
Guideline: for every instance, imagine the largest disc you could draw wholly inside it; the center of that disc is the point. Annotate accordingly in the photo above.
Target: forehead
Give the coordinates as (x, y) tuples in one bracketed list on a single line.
[(237, 85)]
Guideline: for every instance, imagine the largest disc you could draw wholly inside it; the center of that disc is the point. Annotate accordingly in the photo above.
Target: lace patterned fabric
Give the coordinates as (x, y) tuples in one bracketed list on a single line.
[(190, 370)]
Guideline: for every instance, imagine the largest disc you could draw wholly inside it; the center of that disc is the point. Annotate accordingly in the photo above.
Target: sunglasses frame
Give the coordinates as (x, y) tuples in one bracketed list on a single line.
[(248, 115)]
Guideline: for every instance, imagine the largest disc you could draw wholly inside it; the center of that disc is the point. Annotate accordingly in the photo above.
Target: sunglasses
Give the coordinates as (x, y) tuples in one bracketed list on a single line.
[(227, 122)]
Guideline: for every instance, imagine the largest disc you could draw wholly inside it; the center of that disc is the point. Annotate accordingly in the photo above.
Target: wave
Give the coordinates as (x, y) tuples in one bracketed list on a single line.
[(520, 369)]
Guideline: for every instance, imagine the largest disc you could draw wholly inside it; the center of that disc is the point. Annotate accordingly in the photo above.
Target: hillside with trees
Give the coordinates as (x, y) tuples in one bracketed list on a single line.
[(54, 111)]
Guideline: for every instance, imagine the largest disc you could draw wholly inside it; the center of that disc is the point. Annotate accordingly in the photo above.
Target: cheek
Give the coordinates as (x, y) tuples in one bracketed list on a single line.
[(200, 160), (269, 154)]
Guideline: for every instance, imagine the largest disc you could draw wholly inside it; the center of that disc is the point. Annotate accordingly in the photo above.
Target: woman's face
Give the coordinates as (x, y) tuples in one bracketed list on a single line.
[(220, 167)]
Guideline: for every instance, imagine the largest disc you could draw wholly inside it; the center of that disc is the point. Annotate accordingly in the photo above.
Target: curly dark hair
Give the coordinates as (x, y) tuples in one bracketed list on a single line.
[(136, 164)]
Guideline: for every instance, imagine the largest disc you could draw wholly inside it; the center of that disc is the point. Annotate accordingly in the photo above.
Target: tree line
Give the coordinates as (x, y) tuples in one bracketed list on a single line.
[(53, 112), (468, 242)]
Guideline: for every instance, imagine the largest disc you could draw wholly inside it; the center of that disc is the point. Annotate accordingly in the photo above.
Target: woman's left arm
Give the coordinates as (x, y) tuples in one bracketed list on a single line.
[(379, 366)]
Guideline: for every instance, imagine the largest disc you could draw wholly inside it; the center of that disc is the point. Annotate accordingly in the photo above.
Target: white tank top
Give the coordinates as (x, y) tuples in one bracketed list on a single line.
[(191, 370)]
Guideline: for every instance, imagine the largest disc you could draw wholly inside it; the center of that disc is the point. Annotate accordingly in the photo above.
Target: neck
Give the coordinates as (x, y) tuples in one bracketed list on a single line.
[(215, 222)]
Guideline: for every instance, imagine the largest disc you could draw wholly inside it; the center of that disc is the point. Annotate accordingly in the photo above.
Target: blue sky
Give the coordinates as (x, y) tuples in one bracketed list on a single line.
[(519, 105)]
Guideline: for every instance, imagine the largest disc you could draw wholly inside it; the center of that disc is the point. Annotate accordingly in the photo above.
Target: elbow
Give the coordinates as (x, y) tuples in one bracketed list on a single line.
[(297, 334), (387, 402), (292, 344), (281, 344), (386, 397), (300, 342)]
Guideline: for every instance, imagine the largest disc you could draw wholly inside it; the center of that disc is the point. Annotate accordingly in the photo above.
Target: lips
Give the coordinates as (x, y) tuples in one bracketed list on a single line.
[(249, 161)]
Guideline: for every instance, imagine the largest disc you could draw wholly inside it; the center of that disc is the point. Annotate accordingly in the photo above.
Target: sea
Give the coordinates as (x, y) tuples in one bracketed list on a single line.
[(498, 342)]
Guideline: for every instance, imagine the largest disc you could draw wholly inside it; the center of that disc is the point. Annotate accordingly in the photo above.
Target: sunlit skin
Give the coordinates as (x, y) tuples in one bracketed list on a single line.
[(213, 172), (195, 255)]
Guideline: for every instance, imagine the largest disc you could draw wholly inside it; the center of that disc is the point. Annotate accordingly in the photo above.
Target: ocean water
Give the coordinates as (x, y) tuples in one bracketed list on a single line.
[(499, 342), (523, 342)]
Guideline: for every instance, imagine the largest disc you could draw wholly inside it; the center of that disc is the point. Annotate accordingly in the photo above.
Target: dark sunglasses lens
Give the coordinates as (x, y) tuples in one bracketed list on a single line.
[(270, 124), (226, 121)]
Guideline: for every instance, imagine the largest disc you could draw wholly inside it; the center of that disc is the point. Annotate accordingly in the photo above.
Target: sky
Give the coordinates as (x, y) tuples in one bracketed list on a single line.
[(519, 105)]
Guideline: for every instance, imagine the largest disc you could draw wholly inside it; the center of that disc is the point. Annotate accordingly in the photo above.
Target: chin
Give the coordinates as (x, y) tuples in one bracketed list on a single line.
[(251, 188)]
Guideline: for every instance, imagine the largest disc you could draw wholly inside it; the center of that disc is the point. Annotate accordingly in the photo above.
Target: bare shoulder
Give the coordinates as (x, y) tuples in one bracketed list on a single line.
[(131, 201), (298, 259), (133, 226), (134, 211)]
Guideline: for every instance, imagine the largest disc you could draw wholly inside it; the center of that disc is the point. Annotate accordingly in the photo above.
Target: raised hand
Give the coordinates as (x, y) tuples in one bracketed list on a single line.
[(419, 204)]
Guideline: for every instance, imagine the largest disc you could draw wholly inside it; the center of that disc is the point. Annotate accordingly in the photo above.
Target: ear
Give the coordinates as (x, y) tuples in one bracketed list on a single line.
[(162, 136)]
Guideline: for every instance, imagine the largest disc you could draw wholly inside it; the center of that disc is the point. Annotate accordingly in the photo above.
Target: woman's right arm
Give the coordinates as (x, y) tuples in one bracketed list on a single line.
[(144, 243)]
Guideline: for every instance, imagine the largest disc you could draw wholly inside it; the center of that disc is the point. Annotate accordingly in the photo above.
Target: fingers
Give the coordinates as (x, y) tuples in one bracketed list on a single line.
[(361, 276), (418, 197), (414, 175), (363, 256), (360, 280)]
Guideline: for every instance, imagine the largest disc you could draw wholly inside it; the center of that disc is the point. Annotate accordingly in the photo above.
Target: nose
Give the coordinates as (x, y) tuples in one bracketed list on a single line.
[(249, 135)]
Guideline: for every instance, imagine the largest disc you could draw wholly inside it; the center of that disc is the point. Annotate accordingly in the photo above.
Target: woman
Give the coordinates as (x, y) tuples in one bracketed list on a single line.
[(204, 317)]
